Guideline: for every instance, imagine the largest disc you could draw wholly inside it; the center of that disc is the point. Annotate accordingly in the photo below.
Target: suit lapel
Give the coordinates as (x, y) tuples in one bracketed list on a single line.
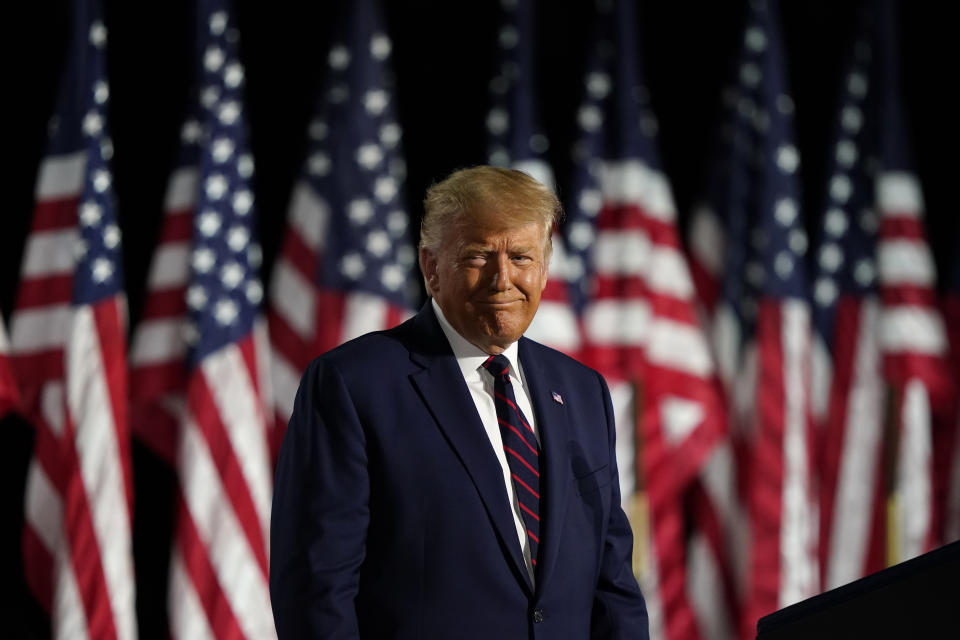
[(445, 393), (553, 425)]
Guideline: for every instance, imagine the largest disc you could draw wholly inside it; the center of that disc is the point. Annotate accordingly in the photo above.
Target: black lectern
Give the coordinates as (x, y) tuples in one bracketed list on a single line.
[(919, 598)]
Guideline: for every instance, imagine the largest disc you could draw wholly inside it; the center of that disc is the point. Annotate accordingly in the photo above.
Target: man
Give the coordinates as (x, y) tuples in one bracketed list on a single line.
[(449, 478)]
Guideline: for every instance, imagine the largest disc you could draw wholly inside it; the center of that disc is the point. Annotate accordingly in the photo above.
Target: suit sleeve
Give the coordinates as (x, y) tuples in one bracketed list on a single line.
[(320, 512), (619, 610)]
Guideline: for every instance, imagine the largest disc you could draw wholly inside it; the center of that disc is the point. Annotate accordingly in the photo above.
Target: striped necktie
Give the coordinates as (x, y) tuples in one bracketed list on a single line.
[(520, 445)]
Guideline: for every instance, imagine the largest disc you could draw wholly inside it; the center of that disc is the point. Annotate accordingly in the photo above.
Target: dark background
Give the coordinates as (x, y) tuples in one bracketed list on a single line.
[(444, 57)]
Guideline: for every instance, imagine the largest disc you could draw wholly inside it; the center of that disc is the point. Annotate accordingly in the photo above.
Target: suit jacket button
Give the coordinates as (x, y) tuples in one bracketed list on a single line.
[(538, 615)]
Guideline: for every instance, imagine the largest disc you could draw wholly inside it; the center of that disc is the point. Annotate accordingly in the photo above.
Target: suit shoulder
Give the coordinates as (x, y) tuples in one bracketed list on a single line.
[(366, 352), (560, 361)]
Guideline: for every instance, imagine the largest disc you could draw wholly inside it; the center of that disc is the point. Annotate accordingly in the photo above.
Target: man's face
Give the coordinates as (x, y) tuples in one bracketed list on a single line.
[(488, 281)]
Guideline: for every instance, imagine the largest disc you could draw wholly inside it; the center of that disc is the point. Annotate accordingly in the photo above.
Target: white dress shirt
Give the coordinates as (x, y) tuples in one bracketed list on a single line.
[(480, 383)]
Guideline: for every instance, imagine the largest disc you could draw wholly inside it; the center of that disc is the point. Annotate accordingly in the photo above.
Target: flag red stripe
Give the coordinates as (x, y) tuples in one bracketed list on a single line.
[(44, 291), (84, 547), (165, 303), (111, 335), (151, 381), (53, 214), (905, 226), (300, 256), (155, 427), (766, 469), (329, 323), (203, 408), (38, 567), (33, 370), (912, 295), (177, 226), (289, 343), (196, 560)]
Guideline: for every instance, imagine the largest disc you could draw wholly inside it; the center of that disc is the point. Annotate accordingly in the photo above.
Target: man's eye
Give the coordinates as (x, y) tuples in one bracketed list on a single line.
[(475, 260), (522, 259)]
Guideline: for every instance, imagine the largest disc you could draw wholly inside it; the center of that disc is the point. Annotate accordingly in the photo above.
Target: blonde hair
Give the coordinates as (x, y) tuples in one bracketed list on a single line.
[(488, 195)]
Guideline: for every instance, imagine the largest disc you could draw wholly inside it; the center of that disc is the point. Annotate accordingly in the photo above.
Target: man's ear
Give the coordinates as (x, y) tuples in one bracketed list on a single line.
[(428, 266), (545, 271)]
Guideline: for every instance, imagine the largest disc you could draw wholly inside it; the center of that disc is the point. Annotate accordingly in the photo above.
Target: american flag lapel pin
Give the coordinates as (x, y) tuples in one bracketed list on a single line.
[(557, 397)]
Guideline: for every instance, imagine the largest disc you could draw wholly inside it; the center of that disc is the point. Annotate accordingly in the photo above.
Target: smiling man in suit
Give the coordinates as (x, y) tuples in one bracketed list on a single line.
[(449, 478)]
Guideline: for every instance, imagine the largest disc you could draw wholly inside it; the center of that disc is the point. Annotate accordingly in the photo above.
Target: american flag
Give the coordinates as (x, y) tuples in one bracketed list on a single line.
[(9, 397), (347, 265), (913, 339), (516, 140), (952, 316), (637, 301), (851, 306), (198, 359), (68, 349), (750, 235)]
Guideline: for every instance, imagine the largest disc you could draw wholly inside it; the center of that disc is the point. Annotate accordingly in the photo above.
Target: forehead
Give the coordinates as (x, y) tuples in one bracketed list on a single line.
[(471, 232)]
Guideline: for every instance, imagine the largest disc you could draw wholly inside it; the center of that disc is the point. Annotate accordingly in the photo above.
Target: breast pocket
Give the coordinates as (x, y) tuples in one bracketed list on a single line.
[(593, 481)]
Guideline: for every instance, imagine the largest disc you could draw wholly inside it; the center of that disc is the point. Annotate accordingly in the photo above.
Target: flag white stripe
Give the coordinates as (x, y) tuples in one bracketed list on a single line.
[(650, 586), (182, 189), (293, 298), (668, 273), (309, 216), (286, 381), (633, 182), (798, 572), (912, 484), (171, 266), (726, 338), (50, 253), (862, 438), (61, 176), (679, 346), (720, 485), (52, 406), (536, 169), (69, 620), (905, 262), (158, 342), (243, 418), (953, 493), (555, 324), (261, 346), (899, 195), (821, 363), (707, 240), (618, 322), (679, 416), (705, 589), (99, 456), (39, 329), (622, 253), (363, 313), (625, 421), (4, 342), (906, 329), (44, 508), (238, 572), (188, 620)]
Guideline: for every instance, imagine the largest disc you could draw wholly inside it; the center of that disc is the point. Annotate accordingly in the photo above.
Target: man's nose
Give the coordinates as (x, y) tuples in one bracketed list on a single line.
[(502, 280)]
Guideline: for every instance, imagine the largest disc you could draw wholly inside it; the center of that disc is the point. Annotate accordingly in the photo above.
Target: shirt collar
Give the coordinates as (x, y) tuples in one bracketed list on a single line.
[(469, 356)]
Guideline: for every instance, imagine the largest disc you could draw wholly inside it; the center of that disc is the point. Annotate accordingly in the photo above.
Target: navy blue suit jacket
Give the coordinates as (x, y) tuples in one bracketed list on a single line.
[(391, 520)]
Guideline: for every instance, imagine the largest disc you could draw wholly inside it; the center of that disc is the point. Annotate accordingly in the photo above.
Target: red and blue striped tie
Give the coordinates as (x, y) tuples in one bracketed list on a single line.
[(520, 445)]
